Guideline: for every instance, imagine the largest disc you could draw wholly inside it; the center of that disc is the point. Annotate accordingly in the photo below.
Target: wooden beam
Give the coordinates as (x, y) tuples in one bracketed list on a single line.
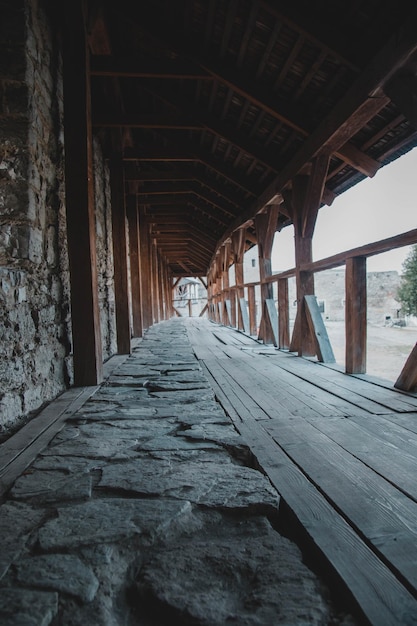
[(189, 151), (79, 200), (355, 316), (121, 285), (183, 174), (153, 68)]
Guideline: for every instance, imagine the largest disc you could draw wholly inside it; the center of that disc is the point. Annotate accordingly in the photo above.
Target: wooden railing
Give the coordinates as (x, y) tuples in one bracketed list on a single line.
[(227, 307)]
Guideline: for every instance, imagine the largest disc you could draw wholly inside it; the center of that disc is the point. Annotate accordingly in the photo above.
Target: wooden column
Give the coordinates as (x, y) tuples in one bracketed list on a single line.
[(283, 315), (303, 206), (160, 286), (145, 269), (79, 200), (133, 222), (238, 249), (154, 282), (121, 286), (226, 306), (356, 315), (252, 310), (265, 225)]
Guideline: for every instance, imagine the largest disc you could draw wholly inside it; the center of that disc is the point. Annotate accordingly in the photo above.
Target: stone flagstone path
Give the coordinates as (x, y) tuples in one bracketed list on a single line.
[(145, 510)]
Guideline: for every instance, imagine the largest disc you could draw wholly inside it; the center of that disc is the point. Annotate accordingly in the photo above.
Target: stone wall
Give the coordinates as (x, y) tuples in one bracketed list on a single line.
[(35, 322), (33, 289), (104, 247)]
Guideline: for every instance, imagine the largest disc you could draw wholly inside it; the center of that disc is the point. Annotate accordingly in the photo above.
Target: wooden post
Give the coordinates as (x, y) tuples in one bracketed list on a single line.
[(252, 310), (79, 200), (265, 225), (356, 315), (160, 278), (154, 282), (283, 315), (238, 249), (121, 289), (133, 221), (145, 270), (226, 307)]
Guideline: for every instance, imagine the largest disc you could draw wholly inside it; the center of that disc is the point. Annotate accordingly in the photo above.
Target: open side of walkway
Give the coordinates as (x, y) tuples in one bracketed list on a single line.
[(340, 450), (137, 502)]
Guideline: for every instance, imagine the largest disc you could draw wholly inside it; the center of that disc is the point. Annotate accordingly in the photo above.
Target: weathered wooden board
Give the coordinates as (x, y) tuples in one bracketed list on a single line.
[(384, 451), (381, 597), (383, 515), (351, 387)]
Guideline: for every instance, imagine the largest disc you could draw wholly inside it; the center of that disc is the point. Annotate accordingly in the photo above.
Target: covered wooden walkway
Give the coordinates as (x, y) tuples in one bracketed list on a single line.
[(342, 452)]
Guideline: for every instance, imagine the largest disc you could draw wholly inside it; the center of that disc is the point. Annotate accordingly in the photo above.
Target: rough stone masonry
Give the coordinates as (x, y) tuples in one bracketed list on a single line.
[(145, 510)]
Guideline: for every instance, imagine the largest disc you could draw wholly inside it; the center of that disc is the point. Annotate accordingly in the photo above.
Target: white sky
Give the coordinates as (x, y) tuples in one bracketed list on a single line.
[(374, 209)]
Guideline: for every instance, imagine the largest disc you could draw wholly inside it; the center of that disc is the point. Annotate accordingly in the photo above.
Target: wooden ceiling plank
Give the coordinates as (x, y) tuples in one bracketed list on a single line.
[(209, 21), (250, 25), (289, 62), (312, 71), (375, 138), (270, 46), (227, 30)]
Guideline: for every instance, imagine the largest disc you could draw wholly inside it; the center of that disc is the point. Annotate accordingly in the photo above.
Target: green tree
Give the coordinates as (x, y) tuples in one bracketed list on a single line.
[(407, 292)]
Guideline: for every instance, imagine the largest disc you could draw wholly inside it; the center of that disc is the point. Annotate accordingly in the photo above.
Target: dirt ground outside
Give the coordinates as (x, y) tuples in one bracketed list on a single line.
[(388, 347)]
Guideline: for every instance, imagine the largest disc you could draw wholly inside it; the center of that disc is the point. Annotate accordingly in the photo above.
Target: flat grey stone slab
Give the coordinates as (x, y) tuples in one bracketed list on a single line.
[(61, 572), (209, 484), (69, 464), (245, 576), (110, 520), (17, 522), (221, 434), (107, 440), (51, 486), (22, 607)]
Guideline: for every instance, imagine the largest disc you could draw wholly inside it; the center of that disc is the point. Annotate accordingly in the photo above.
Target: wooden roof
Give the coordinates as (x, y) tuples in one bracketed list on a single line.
[(217, 104)]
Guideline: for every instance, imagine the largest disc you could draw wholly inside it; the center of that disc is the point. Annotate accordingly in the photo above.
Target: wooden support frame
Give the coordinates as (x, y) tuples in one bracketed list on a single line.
[(238, 251), (356, 315), (304, 204), (79, 199), (265, 226)]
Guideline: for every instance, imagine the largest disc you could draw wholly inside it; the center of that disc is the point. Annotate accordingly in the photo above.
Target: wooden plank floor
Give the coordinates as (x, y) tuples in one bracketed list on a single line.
[(342, 452)]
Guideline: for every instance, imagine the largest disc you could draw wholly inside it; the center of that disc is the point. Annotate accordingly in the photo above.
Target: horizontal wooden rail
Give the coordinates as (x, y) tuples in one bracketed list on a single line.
[(220, 298)]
